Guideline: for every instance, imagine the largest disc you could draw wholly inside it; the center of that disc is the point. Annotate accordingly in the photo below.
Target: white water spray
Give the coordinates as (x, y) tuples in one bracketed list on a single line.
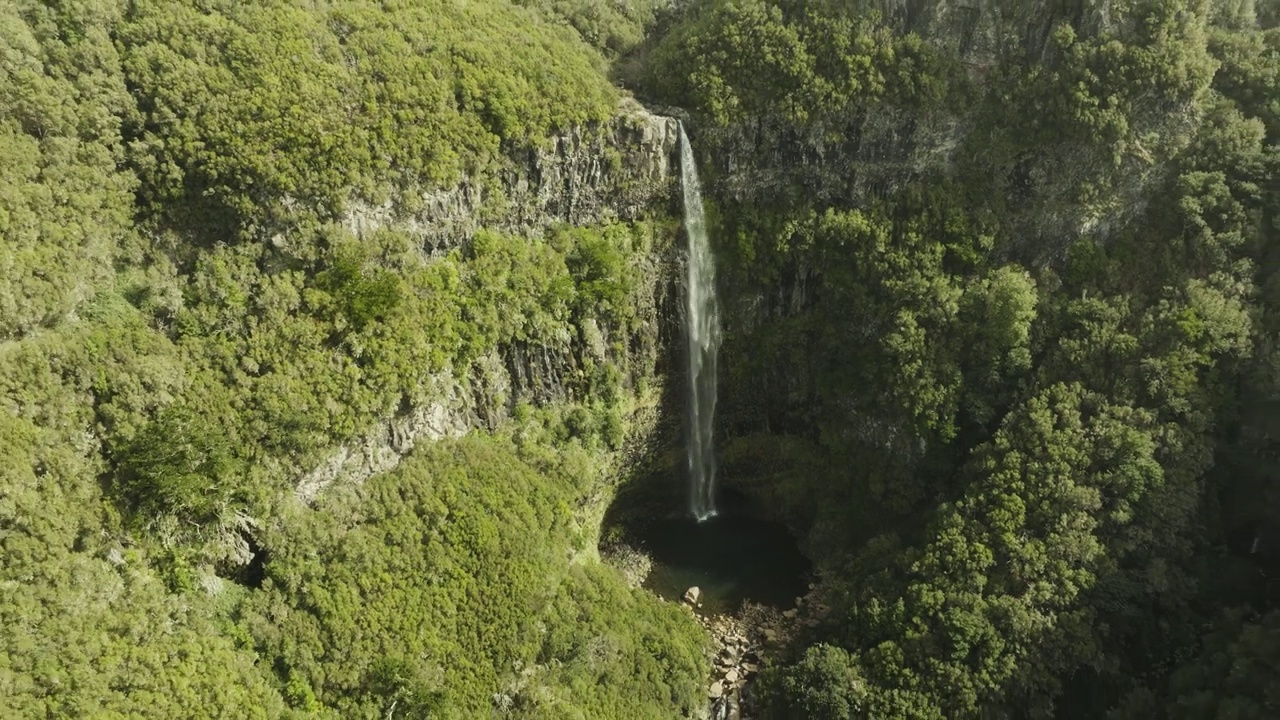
[(702, 324)]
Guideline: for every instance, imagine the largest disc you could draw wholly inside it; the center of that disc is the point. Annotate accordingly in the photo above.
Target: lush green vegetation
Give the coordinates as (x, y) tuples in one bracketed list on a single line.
[(246, 106), (186, 329), (615, 27), (1029, 464), (730, 61), (443, 586), (1001, 347)]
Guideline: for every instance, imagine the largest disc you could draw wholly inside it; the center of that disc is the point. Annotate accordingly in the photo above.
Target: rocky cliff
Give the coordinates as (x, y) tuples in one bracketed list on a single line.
[(623, 170), (618, 170)]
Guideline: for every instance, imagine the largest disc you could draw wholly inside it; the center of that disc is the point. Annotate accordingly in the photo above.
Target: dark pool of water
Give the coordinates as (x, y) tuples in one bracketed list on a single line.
[(732, 557)]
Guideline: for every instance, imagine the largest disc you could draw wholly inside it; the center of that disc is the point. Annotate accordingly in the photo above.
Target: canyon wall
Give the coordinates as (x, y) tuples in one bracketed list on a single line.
[(623, 170)]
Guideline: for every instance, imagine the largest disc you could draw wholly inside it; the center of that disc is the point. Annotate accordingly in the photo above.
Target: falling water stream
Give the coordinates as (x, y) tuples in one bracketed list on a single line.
[(702, 323)]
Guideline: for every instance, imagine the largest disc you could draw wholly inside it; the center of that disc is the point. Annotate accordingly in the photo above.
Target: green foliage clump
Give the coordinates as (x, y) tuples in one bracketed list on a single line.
[(1234, 676), (909, 324), (519, 290), (822, 684), (64, 208), (252, 112), (611, 652), (86, 628), (357, 298), (447, 585), (734, 60), (599, 259), (181, 465), (613, 26), (1092, 90)]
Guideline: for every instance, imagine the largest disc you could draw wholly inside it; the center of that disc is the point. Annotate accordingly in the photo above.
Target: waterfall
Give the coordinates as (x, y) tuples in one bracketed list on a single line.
[(702, 323)]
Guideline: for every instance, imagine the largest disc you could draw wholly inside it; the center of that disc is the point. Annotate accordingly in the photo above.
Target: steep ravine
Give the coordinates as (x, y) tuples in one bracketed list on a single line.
[(625, 170)]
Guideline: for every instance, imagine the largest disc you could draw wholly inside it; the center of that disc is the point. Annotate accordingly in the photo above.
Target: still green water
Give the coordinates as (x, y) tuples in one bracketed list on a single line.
[(732, 557)]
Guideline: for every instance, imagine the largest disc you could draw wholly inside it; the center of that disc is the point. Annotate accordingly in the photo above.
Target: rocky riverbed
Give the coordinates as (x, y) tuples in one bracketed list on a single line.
[(745, 642)]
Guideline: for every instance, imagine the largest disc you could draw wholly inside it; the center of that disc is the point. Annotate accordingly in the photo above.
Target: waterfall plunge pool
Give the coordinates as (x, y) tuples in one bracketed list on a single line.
[(733, 556)]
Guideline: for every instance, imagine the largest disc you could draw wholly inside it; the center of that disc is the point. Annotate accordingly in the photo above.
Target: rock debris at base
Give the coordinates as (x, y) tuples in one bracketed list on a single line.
[(745, 642)]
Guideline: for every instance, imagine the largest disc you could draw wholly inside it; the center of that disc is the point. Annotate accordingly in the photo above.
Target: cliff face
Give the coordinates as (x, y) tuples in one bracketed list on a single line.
[(618, 170), (625, 170), (881, 149)]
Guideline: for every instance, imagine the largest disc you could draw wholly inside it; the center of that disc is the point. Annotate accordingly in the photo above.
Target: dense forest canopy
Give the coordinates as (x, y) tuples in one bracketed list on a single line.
[(1034, 453), (1002, 308)]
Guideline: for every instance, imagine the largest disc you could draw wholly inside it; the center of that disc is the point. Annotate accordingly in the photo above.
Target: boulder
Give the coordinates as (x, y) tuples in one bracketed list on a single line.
[(693, 595), (716, 690), (732, 676)]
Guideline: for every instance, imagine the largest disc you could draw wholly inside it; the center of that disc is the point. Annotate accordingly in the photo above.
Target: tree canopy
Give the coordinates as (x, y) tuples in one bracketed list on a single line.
[(1001, 307)]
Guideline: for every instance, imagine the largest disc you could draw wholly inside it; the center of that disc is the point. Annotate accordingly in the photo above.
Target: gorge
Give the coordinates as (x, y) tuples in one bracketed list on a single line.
[(397, 360)]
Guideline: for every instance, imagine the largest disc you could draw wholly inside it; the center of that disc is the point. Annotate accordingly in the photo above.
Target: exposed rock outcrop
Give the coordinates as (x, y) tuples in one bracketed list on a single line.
[(744, 643), (633, 564), (617, 170), (452, 414), (624, 169)]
